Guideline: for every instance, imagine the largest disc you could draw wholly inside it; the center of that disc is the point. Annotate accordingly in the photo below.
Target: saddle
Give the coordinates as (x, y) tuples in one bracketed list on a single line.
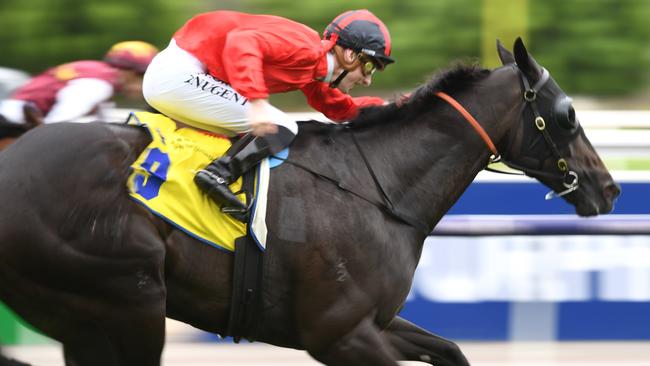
[(162, 181)]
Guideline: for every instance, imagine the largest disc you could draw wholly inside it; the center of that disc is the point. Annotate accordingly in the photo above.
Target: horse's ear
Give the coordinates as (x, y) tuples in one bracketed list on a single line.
[(505, 55), (526, 62)]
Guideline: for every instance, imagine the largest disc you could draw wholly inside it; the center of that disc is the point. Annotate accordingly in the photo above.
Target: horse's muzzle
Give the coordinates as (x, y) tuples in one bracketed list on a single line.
[(611, 192), (602, 203)]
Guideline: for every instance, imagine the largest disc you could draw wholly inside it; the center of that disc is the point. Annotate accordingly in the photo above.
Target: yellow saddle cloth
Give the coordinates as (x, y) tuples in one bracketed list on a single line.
[(162, 180)]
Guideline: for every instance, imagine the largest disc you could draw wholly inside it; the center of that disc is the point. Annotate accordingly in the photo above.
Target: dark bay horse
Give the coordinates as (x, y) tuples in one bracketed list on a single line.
[(89, 267)]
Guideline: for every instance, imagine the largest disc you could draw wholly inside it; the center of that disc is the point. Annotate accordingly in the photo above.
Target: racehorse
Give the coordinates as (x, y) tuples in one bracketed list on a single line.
[(89, 267), (9, 132)]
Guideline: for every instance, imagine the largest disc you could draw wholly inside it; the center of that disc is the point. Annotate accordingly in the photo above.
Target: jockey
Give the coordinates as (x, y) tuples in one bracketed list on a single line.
[(220, 67), (72, 90)]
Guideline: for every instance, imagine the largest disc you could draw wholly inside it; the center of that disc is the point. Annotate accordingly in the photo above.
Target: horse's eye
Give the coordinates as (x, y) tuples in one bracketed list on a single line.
[(572, 116), (564, 113)]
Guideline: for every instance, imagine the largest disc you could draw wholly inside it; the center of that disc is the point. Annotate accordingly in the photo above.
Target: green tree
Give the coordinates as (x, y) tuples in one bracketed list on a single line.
[(40, 33), (593, 47), (597, 47)]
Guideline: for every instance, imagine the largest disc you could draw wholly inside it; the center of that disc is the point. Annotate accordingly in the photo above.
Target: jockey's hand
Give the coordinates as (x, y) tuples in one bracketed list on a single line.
[(260, 118), (402, 99)]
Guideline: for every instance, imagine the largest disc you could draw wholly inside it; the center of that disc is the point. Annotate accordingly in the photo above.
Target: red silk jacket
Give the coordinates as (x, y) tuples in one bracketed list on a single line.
[(263, 54)]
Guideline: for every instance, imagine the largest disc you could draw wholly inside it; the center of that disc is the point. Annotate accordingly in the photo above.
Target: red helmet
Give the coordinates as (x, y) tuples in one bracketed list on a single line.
[(363, 32), (133, 55)]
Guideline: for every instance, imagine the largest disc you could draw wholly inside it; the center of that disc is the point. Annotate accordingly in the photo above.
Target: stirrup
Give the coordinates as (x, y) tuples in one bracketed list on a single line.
[(241, 214), (232, 210)]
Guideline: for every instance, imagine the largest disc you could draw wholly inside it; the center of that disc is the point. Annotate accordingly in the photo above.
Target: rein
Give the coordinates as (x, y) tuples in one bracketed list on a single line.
[(569, 178), (386, 206), (472, 121)]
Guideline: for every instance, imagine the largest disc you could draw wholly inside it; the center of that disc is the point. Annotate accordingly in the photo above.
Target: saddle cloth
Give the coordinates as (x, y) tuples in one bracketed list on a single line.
[(162, 181)]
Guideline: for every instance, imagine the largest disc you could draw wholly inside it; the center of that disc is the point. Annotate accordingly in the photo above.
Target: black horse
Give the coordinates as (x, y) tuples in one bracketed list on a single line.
[(89, 267)]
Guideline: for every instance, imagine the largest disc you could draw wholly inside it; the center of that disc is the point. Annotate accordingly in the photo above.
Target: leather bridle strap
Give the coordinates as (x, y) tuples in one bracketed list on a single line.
[(530, 96), (495, 158), (570, 178), (472, 121)]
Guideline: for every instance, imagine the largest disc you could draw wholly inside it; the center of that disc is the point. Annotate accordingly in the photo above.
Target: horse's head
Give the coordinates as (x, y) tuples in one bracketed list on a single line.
[(550, 145)]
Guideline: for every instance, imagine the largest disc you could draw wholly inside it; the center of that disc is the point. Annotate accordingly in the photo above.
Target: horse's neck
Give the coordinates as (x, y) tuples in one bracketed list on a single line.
[(424, 173), (427, 164)]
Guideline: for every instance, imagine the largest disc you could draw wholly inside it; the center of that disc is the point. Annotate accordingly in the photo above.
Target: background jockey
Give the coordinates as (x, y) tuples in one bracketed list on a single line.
[(72, 90), (220, 67)]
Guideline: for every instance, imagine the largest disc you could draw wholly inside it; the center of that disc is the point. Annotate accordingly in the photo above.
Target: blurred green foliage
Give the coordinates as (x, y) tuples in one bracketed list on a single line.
[(594, 47), (599, 47)]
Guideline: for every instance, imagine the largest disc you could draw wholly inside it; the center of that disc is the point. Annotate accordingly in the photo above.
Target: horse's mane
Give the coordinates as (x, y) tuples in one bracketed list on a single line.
[(453, 80)]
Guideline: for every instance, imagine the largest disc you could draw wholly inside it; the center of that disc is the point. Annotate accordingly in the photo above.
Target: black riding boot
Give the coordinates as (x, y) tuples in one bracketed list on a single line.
[(244, 154)]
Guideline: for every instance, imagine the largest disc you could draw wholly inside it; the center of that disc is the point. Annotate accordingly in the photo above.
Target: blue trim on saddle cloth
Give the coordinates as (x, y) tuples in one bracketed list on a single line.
[(188, 233), (134, 116), (273, 162)]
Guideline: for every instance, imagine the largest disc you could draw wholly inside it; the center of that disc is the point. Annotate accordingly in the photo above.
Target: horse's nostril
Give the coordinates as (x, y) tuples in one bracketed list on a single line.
[(612, 191)]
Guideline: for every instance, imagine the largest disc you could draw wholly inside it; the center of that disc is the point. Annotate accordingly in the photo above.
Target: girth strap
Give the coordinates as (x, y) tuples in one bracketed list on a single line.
[(247, 286)]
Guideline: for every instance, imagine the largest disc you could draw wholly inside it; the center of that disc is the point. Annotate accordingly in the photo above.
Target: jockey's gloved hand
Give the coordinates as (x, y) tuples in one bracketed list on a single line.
[(402, 99)]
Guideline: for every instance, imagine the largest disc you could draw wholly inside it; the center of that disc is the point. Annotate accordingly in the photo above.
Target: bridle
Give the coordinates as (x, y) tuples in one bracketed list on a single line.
[(568, 176)]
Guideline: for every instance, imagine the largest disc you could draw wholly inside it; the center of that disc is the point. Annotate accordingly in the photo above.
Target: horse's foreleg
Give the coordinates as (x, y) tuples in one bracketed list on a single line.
[(416, 344), (363, 345)]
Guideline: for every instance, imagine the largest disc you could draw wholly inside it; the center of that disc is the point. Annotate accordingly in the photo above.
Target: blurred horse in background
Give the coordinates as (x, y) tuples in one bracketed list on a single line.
[(9, 132), (348, 214)]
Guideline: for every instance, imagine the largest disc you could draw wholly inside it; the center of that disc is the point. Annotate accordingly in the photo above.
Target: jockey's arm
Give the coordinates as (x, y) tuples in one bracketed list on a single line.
[(78, 99), (335, 104)]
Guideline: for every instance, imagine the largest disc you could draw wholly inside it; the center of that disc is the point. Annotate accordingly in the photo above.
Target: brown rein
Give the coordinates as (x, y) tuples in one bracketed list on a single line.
[(472, 121)]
